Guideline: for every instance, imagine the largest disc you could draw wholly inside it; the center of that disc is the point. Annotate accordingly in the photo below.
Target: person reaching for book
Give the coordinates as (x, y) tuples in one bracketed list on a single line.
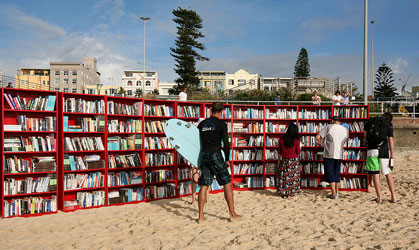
[(288, 174), (212, 131)]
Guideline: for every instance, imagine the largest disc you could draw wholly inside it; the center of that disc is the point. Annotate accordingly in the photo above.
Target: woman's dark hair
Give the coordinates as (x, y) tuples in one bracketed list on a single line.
[(290, 136), (337, 92)]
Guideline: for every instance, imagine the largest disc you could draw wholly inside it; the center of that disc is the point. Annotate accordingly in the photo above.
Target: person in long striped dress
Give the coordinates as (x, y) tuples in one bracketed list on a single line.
[(288, 174)]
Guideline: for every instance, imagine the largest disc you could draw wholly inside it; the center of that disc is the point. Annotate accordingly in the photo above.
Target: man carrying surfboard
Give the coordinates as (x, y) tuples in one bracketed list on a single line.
[(212, 131)]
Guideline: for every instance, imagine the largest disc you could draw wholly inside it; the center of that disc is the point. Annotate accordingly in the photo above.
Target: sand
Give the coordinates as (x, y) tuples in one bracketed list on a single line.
[(308, 221)]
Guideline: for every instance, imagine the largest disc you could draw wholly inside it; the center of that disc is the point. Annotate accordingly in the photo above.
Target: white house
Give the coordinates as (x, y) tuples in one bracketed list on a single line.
[(136, 79)]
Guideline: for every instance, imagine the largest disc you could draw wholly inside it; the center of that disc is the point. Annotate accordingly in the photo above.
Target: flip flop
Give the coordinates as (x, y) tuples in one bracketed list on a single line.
[(376, 200), (391, 201)]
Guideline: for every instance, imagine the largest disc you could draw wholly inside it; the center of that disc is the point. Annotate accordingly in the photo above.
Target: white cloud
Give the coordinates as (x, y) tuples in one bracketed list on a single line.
[(399, 65), (112, 10)]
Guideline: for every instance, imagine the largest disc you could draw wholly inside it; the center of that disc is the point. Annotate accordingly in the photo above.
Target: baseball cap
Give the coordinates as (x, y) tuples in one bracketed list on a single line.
[(335, 118)]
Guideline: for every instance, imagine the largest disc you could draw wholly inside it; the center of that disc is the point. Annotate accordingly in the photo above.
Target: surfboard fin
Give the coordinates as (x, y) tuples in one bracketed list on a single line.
[(188, 125), (177, 147), (179, 123), (171, 138)]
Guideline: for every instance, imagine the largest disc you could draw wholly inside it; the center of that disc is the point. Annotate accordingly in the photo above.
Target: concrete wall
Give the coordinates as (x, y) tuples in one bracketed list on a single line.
[(406, 136)]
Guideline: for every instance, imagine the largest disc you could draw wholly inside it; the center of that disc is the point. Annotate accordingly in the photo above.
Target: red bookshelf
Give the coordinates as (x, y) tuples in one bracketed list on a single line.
[(29, 156), (82, 150)]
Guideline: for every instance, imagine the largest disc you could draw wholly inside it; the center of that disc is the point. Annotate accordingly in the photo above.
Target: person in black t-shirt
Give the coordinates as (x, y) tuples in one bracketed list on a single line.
[(212, 131)]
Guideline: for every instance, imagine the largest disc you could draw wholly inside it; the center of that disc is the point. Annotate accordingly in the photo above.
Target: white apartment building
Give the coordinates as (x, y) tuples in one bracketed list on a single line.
[(136, 79), (241, 80), (164, 87)]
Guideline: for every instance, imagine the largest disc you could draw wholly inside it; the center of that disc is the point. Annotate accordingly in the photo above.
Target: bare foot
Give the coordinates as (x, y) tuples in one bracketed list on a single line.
[(201, 220), (235, 217)]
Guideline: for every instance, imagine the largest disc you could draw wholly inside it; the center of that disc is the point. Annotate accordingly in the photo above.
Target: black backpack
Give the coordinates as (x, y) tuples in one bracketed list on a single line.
[(377, 135)]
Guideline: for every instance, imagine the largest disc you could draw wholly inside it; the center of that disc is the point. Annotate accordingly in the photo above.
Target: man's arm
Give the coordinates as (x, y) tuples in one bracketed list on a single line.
[(391, 144), (226, 143), (318, 139)]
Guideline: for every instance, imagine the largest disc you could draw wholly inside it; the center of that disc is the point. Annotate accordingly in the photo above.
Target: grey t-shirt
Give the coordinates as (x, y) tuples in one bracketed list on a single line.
[(335, 136)]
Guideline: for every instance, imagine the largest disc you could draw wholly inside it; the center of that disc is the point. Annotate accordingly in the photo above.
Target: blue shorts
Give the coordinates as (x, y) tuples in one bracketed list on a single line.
[(331, 170), (213, 164)]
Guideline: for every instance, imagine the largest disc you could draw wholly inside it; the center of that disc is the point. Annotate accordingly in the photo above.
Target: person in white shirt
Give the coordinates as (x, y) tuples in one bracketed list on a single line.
[(183, 96), (337, 98), (335, 136)]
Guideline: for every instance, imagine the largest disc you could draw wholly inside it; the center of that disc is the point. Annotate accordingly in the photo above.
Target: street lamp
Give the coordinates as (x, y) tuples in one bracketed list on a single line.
[(372, 59), (144, 19), (365, 66)]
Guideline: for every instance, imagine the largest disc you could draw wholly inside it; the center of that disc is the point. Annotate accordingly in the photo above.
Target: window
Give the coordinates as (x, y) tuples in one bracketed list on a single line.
[(57, 89), (147, 83), (231, 82), (241, 82), (27, 81), (57, 72), (22, 81), (65, 89), (129, 74), (106, 91), (129, 83), (207, 83), (74, 72), (91, 91), (129, 92), (138, 83), (57, 80), (43, 82), (74, 90), (149, 74), (66, 81), (66, 72), (74, 81)]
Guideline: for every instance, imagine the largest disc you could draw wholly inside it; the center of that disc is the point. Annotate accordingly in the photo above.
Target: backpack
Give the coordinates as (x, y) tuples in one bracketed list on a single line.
[(377, 135)]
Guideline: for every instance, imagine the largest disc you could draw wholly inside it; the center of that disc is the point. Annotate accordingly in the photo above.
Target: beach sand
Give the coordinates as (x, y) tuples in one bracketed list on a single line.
[(308, 221)]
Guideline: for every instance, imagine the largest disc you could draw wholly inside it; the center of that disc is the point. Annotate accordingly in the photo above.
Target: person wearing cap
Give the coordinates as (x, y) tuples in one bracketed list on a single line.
[(334, 136), (315, 98), (278, 98)]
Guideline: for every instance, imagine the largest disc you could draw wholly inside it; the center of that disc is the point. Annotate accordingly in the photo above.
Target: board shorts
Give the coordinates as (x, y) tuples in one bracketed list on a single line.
[(375, 164), (331, 170), (213, 164)]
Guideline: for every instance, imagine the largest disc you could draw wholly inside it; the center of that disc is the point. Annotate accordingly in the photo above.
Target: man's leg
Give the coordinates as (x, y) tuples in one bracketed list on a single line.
[(229, 197), (333, 188), (376, 181), (390, 183), (201, 201)]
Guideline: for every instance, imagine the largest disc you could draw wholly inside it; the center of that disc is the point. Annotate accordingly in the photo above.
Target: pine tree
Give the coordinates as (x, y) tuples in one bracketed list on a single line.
[(384, 82), (302, 67), (185, 52)]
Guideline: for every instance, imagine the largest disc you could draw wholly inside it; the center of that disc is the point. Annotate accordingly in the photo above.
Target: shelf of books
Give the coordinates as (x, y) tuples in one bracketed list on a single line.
[(30, 153), (83, 151), (125, 171), (353, 176), (277, 120), (159, 155)]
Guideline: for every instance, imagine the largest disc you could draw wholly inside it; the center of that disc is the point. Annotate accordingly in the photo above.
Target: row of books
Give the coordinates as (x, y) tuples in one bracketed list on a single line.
[(275, 127), (127, 126), (29, 165), (79, 105), (250, 141), (159, 175), (24, 123), (80, 181), (87, 124), (115, 108), (270, 167), (42, 103), (311, 155), (164, 191), (314, 114), (251, 182), (29, 205), (184, 188), (353, 154), (154, 126), (124, 161), (124, 195), (271, 181), (269, 142), (271, 154), (310, 182), (158, 110), (30, 185), (313, 168), (248, 169), (156, 143), (248, 128), (353, 142), (226, 113), (356, 126), (159, 159), (188, 111), (311, 127), (281, 114), (83, 143), (353, 183), (247, 155), (29, 144), (350, 112), (125, 178), (309, 141), (184, 173), (125, 143), (90, 199), (73, 162), (249, 113)]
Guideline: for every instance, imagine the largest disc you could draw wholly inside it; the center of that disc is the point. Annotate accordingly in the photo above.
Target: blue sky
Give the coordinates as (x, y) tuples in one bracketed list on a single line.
[(260, 36)]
